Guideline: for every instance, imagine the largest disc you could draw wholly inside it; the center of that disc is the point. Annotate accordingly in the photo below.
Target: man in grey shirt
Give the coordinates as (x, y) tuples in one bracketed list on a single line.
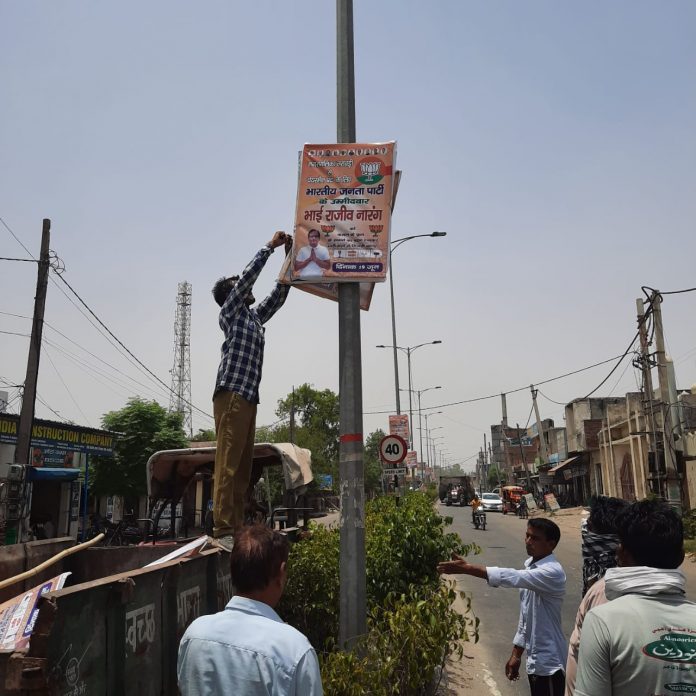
[(542, 587), (643, 641)]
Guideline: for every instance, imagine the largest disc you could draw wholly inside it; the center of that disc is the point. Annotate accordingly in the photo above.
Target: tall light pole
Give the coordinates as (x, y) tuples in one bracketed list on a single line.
[(427, 431), (353, 585), (409, 350), (395, 244), (420, 425)]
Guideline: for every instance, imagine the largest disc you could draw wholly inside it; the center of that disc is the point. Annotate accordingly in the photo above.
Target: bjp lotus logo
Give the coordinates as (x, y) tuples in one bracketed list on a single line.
[(370, 170)]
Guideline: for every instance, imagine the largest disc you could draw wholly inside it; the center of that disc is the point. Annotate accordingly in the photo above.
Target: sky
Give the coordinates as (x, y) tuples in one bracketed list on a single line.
[(553, 142)]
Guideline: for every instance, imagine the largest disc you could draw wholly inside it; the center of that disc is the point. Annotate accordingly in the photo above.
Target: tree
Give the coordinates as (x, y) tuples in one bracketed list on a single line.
[(143, 427), (373, 465), (316, 425), (204, 435)]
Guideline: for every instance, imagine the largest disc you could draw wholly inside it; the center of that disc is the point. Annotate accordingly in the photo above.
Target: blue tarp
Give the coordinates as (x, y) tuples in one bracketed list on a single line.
[(47, 473)]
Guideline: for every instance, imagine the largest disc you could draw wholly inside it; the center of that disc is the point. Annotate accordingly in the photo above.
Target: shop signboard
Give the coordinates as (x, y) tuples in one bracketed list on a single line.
[(54, 444), (551, 502)]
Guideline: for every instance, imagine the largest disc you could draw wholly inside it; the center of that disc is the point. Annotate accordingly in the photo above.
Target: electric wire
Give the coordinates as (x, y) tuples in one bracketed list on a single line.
[(509, 391), (11, 258), (16, 333), (140, 362), (106, 328), (60, 377)]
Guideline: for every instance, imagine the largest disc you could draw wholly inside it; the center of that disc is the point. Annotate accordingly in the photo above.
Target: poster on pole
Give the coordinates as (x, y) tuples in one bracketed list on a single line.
[(343, 218), (411, 460), (327, 291), (398, 425)]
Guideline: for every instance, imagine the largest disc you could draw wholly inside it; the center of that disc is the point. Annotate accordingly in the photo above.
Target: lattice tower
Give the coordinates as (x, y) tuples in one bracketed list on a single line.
[(180, 399)]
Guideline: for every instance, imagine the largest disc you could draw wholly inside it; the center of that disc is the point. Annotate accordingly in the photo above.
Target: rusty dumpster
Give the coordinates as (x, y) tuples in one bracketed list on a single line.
[(119, 634)]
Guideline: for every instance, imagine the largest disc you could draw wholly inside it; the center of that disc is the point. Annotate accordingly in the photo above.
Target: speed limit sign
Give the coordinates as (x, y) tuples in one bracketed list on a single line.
[(392, 449)]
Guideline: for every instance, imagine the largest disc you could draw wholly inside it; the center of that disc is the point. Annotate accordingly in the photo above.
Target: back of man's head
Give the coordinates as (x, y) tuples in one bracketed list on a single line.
[(603, 514), (257, 555), (549, 529), (652, 534)]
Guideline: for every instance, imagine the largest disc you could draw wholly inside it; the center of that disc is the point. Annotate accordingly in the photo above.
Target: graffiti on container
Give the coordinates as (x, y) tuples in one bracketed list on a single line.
[(188, 607), (67, 670), (140, 629)]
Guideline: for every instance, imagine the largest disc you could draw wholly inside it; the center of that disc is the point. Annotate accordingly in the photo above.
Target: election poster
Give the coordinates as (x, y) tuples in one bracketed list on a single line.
[(343, 216), (328, 291), (398, 425)]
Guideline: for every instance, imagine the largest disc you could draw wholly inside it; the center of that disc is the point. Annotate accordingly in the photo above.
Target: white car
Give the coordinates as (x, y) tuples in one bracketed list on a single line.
[(492, 502)]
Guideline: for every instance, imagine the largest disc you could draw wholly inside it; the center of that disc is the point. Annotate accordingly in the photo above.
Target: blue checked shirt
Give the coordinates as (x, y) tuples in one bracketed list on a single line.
[(242, 352)]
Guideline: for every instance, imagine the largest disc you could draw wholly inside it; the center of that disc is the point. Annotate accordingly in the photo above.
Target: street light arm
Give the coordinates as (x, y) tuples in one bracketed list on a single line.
[(396, 243)]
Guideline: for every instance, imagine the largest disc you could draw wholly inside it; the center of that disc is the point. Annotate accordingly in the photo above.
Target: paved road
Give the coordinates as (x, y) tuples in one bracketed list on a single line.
[(482, 668)]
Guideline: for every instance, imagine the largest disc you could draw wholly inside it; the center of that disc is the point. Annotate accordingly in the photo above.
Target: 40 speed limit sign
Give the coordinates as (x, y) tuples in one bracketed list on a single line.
[(392, 449)]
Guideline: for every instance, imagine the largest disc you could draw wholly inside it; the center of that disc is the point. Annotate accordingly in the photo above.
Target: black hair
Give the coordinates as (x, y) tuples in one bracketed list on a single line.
[(314, 230), (222, 288), (652, 533), (603, 513), (256, 557), (549, 529)]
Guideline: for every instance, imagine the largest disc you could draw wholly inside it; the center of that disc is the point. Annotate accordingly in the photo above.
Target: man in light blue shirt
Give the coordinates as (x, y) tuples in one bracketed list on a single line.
[(542, 587), (246, 649)]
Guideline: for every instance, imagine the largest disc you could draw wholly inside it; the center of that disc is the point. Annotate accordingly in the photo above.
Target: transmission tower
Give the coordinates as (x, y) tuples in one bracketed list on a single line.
[(180, 400)]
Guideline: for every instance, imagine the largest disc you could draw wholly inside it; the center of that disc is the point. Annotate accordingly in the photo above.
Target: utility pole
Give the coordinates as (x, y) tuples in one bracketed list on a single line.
[(524, 459), (540, 430), (292, 416), (673, 483), (353, 579), (646, 369), (26, 416), (410, 397), (485, 458)]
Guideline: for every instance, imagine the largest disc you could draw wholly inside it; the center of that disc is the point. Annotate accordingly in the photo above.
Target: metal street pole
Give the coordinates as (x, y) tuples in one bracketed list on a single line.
[(353, 581), (410, 401), (674, 497), (395, 244), (26, 416), (396, 353)]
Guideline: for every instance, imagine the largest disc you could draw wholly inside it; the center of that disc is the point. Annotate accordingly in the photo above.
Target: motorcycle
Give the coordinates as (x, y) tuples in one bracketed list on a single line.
[(480, 519)]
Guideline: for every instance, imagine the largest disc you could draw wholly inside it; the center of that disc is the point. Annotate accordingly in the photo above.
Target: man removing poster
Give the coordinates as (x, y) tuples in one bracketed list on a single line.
[(343, 214)]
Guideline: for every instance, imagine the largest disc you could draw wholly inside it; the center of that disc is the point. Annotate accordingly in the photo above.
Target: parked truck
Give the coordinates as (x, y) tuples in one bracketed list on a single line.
[(447, 483)]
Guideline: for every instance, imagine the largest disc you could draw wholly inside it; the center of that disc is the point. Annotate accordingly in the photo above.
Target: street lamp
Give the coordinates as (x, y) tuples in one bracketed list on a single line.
[(394, 245), (408, 350), (427, 431), (420, 424)]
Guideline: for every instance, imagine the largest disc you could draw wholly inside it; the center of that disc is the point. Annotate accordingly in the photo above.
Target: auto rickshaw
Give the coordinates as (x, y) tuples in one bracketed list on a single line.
[(511, 496)]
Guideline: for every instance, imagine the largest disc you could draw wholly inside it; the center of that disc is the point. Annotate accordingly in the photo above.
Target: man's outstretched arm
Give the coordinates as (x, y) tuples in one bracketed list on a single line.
[(275, 300)]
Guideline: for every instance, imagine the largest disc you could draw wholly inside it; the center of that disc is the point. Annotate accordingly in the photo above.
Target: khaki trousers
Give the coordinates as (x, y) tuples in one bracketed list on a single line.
[(235, 425)]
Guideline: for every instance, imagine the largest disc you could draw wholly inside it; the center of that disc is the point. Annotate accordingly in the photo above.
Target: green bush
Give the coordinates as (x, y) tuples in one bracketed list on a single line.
[(689, 522), (408, 640), (412, 627)]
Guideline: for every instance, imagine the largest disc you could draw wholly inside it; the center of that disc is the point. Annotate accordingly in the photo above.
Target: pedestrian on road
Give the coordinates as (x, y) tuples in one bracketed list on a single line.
[(599, 539), (643, 640), (542, 587), (599, 544), (246, 649), (236, 393)]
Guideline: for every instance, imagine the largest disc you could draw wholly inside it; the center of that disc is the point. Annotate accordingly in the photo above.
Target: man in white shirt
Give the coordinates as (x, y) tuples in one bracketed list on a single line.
[(643, 641), (246, 649), (542, 587), (312, 260)]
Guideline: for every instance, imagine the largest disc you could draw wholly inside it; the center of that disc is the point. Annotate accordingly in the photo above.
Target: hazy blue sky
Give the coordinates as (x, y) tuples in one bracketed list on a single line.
[(554, 142)]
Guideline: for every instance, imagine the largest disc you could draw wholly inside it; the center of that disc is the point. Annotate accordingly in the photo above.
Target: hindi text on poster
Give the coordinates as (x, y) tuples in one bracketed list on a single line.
[(343, 217)]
